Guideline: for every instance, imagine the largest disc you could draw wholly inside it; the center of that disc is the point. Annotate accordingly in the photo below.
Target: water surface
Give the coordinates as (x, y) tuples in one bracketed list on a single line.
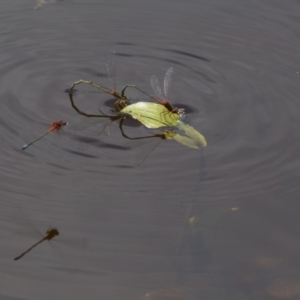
[(220, 223)]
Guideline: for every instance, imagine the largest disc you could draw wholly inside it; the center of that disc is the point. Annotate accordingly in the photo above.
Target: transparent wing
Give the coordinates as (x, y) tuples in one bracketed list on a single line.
[(110, 69), (156, 87), (86, 124), (146, 151), (168, 80), (147, 147), (104, 125), (107, 128)]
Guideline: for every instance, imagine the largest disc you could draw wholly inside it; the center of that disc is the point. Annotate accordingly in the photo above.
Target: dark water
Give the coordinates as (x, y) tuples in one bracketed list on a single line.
[(220, 223)]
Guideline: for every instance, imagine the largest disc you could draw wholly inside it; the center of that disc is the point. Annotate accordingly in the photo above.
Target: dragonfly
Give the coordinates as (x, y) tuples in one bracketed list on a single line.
[(50, 234), (161, 97), (54, 126)]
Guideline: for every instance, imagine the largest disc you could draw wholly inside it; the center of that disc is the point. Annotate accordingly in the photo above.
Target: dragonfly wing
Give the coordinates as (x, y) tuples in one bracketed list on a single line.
[(168, 80), (146, 151), (156, 87), (107, 128), (87, 123), (110, 69), (147, 147)]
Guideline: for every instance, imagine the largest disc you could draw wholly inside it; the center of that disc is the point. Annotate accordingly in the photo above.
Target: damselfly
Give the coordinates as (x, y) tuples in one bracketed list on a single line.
[(54, 126)]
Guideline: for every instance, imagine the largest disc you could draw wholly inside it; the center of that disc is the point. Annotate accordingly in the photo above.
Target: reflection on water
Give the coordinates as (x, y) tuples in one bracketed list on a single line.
[(162, 98), (50, 234)]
